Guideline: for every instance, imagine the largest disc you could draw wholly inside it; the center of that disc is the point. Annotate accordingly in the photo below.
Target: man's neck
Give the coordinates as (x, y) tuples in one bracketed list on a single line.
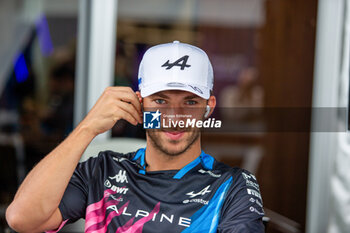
[(157, 160)]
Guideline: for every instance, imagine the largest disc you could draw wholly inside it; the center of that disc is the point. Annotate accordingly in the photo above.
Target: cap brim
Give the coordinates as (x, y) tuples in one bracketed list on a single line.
[(201, 91)]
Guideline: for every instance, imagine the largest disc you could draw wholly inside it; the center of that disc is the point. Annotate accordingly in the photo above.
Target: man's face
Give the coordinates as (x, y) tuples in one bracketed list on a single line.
[(174, 105)]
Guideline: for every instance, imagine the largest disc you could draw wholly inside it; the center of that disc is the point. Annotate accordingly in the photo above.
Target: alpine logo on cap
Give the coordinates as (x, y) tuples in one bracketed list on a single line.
[(182, 62)]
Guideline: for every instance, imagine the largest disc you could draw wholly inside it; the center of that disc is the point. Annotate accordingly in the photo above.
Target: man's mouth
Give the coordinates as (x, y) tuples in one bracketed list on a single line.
[(174, 135)]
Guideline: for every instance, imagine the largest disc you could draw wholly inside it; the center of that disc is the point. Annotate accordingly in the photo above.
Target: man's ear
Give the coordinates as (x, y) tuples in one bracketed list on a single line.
[(212, 104), (139, 96)]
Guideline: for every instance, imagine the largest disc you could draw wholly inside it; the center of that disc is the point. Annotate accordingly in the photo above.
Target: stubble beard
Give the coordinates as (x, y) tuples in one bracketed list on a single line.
[(155, 140)]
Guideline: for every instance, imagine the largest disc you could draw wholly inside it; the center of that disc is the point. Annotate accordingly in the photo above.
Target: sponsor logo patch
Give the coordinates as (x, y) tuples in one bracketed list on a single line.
[(252, 184), (202, 192), (181, 62), (120, 177), (210, 173), (121, 159), (255, 201), (197, 200), (252, 209), (247, 177), (254, 193), (121, 190), (200, 201)]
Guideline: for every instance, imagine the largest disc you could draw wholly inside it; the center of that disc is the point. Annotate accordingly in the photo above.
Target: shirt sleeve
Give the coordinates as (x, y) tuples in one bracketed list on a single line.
[(74, 201), (242, 210)]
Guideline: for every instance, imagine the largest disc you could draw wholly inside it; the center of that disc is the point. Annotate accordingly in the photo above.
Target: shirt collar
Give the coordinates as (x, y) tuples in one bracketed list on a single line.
[(206, 161)]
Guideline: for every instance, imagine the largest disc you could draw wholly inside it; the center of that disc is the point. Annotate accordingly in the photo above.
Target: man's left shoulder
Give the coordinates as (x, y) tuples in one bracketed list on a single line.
[(240, 179), (234, 172)]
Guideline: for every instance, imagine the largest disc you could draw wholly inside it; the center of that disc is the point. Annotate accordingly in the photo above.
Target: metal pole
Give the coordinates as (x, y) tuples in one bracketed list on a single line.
[(325, 94), (96, 50)]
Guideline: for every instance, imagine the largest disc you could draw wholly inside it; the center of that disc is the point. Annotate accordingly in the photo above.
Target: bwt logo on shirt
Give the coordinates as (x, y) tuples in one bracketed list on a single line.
[(151, 120)]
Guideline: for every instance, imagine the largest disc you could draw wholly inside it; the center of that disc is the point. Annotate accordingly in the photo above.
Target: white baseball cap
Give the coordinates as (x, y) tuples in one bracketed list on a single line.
[(175, 66)]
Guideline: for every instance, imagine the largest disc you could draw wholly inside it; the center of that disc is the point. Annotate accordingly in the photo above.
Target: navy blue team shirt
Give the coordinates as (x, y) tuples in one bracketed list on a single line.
[(115, 193)]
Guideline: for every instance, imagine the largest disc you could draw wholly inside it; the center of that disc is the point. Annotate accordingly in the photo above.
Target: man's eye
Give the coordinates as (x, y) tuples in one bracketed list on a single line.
[(191, 102), (159, 101)]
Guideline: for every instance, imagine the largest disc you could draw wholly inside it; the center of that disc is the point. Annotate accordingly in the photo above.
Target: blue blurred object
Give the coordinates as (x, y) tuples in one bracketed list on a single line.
[(43, 32), (20, 67)]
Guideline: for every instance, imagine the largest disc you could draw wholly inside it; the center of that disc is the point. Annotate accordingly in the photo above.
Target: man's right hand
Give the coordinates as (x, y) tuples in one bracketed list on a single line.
[(114, 104), (35, 206)]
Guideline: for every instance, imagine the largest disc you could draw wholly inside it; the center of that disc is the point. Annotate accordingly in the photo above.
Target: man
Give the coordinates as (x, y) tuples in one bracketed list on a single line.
[(169, 186)]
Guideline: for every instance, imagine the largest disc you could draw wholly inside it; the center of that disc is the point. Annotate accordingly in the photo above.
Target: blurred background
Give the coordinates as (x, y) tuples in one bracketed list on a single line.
[(56, 58)]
